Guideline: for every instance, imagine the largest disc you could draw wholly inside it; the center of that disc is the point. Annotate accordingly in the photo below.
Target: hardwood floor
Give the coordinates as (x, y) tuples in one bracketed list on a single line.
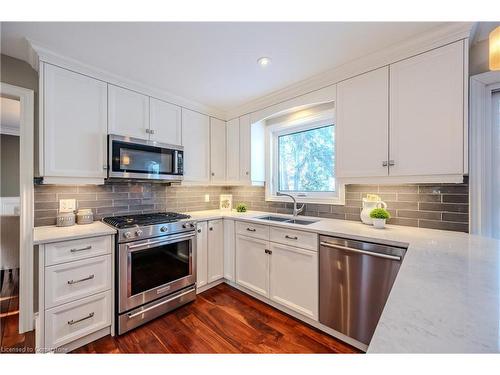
[(222, 320), (10, 340)]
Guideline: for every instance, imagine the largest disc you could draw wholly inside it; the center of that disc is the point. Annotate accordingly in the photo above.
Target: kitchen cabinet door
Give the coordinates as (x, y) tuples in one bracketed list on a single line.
[(294, 279), (217, 150), (252, 264), (128, 113), (74, 129), (215, 250), (229, 249), (245, 149), (165, 122), (201, 254), (427, 113), (362, 125), (196, 142), (233, 151)]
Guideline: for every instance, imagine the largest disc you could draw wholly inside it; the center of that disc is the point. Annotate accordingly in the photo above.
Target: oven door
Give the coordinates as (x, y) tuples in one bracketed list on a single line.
[(134, 158), (154, 268)]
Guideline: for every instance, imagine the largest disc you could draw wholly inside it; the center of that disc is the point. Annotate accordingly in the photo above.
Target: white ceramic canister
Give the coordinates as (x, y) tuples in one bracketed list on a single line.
[(368, 206)]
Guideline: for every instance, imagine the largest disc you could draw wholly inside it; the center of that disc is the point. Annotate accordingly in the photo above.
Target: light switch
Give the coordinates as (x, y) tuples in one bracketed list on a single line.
[(207, 197), (67, 205)]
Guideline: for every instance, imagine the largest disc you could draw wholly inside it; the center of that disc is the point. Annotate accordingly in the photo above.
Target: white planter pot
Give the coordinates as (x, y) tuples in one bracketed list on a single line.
[(379, 223), (368, 207)]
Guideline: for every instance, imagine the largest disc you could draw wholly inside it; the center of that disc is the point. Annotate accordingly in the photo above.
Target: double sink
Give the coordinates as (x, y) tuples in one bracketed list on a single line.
[(287, 220)]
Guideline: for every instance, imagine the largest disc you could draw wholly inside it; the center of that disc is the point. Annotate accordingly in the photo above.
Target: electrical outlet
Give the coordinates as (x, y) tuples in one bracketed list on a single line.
[(207, 197), (67, 205)]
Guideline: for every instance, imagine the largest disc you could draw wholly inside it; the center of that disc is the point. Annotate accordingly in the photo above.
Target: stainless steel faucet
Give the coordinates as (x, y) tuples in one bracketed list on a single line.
[(296, 210)]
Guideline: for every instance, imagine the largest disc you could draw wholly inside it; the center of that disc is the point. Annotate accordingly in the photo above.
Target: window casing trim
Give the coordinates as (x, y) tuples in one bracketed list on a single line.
[(317, 120)]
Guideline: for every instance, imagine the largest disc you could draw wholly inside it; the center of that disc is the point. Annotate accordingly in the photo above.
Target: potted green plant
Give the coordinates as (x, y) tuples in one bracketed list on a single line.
[(241, 207), (379, 216)]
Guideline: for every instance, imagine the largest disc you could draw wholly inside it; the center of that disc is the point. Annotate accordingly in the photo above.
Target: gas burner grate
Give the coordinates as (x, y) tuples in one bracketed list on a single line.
[(126, 221)]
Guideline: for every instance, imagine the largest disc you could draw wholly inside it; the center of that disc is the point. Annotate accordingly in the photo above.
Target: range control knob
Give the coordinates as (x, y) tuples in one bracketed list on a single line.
[(138, 233), (191, 225), (164, 229), (127, 235)]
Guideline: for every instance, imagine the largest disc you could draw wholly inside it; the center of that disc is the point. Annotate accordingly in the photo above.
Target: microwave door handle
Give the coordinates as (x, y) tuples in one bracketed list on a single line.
[(176, 162)]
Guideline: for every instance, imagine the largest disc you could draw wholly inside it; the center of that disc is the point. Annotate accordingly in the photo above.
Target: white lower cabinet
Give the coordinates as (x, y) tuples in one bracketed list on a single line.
[(75, 293), (72, 321), (201, 254), (252, 264), (293, 274), (209, 252), (287, 275), (215, 250), (229, 249)]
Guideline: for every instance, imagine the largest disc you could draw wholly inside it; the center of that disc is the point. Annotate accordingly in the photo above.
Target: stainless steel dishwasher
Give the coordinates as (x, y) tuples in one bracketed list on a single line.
[(355, 279)]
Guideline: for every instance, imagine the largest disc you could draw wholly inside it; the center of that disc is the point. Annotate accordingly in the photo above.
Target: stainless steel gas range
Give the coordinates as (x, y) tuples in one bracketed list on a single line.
[(155, 266)]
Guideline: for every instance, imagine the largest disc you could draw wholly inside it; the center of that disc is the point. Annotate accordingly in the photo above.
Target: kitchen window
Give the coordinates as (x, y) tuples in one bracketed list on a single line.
[(302, 159)]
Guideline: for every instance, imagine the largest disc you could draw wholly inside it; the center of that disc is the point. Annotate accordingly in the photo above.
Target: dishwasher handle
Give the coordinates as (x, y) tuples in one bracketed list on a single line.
[(340, 247)]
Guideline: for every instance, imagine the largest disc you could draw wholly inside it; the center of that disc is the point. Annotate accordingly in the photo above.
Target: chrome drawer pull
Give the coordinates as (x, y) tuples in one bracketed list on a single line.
[(378, 255), (291, 238), (71, 322), (82, 249), (71, 282), (251, 229)]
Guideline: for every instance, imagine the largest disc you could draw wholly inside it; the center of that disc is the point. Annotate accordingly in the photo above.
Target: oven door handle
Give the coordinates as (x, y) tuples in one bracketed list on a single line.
[(162, 242)]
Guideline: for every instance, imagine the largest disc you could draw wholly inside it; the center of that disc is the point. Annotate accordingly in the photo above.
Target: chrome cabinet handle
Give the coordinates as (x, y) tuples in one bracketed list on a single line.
[(213, 174), (385, 163), (268, 251), (291, 238), (211, 228), (246, 173), (105, 167), (199, 230), (251, 229), (71, 322), (71, 282), (152, 131), (392, 163), (82, 249), (378, 255)]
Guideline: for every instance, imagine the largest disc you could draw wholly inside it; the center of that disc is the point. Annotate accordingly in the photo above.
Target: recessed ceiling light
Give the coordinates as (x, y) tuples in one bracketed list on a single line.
[(264, 61)]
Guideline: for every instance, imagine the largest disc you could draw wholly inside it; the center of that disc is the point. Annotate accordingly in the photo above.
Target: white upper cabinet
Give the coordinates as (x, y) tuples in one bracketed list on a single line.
[(196, 142), (427, 113), (73, 132), (217, 150), (165, 122), (245, 149), (128, 113), (362, 125), (233, 151)]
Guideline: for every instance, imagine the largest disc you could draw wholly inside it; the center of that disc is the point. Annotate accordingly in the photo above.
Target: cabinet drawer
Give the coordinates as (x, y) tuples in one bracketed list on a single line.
[(70, 281), (60, 252), (74, 320), (252, 230), (305, 240)]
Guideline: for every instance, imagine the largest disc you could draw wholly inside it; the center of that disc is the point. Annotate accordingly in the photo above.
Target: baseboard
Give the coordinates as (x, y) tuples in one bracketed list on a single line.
[(209, 285)]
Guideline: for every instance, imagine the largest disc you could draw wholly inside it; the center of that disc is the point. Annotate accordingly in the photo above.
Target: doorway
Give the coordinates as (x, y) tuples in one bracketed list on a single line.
[(16, 209)]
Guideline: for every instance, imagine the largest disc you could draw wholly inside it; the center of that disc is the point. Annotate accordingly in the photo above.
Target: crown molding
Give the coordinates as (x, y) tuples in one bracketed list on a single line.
[(434, 38), (38, 53)]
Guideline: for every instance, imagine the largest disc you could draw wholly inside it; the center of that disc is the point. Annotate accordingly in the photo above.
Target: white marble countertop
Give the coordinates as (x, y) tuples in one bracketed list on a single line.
[(446, 297), (51, 233)]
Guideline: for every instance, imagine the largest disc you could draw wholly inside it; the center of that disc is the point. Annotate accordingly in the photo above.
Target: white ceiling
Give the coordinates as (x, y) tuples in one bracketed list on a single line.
[(211, 63), (10, 113)]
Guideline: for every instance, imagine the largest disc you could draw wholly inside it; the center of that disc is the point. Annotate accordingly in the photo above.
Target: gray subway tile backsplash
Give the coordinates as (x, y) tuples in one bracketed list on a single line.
[(435, 206)]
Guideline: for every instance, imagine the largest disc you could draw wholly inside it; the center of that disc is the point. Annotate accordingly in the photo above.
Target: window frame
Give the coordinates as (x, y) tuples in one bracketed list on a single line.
[(273, 132)]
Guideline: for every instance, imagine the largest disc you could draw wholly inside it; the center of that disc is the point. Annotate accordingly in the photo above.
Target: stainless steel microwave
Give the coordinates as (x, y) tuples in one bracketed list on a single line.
[(133, 158)]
